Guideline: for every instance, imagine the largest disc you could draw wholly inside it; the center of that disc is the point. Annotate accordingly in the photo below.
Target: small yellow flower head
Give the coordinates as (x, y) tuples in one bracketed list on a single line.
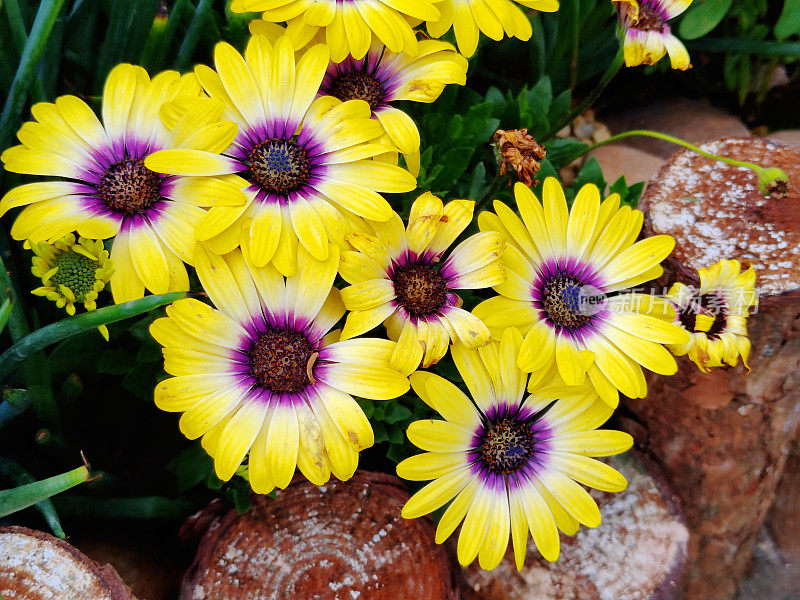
[(647, 37), (715, 315), (72, 271)]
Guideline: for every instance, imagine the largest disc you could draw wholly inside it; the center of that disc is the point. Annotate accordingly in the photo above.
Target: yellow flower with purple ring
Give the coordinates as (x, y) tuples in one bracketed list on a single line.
[(263, 375), (647, 36), (715, 315), (507, 463), (401, 277), (102, 187)]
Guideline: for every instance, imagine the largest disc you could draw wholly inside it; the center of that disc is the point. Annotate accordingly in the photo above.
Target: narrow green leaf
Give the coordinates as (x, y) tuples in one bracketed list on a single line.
[(789, 21), (703, 17), (186, 52), (147, 507), (37, 40), (12, 471), (5, 312), (24, 496), (41, 338)]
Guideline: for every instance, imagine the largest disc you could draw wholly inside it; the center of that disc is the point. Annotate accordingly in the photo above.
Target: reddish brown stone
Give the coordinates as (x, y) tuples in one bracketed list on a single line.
[(691, 120), (784, 516), (38, 566), (723, 438), (340, 541), (637, 552)]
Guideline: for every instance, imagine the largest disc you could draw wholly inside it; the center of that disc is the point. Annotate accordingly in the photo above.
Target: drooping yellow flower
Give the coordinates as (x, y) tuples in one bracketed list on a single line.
[(401, 277), (383, 77), (306, 160), (260, 374), (72, 272), (715, 315), (566, 271), (351, 26), (508, 463), (104, 189), (493, 18), (647, 36)]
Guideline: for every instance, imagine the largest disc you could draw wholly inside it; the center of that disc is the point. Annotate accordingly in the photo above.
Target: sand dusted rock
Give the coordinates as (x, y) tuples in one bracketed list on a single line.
[(637, 553), (723, 438), (340, 541), (691, 120), (38, 566), (790, 137)]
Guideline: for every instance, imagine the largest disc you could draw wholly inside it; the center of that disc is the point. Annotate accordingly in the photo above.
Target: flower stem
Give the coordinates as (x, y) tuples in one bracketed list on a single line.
[(34, 47), (612, 70), (192, 38), (765, 174)]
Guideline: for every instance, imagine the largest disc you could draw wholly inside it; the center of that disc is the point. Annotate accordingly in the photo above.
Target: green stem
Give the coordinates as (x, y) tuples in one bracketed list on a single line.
[(612, 70), (36, 372), (50, 334), (34, 47), (669, 138), (27, 495), (20, 35), (193, 35), (12, 471)]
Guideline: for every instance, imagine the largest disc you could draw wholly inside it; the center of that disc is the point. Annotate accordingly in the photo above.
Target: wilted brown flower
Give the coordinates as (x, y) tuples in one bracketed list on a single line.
[(518, 151)]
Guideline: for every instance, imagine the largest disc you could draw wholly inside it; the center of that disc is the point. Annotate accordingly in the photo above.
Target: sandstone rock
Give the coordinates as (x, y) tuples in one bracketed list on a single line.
[(691, 120), (38, 566), (637, 553), (340, 541), (723, 438), (790, 137), (784, 516), (617, 159)]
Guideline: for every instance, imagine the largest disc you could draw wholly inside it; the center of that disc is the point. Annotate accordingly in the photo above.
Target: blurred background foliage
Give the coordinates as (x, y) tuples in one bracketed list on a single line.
[(97, 397)]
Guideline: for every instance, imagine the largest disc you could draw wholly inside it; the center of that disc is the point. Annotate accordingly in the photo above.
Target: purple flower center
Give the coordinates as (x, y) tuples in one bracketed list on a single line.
[(358, 85), (129, 187), (506, 446), (279, 166), (420, 289), (561, 300), (282, 361)]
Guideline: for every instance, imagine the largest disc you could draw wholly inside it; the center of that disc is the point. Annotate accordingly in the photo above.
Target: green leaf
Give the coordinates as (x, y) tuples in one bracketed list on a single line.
[(115, 361), (590, 173), (5, 312), (24, 496), (191, 467), (41, 338), (789, 22), (703, 17)]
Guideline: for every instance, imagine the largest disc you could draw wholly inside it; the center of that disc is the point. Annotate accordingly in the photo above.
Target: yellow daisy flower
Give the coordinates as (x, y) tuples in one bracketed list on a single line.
[(72, 271), (104, 189), (383, 77), (399, 276), (562, 265), (508, 464), (715, 315), (306, 161), (261, 374), (647, 36), (350, 27), (493, 18)]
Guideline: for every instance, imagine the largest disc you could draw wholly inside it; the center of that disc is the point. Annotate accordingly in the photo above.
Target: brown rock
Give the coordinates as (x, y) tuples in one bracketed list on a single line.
[(637, 553), (617, 159), (784, 516), (38, 566), (790, 137), (340, 541), (690, 120), (723, 438)]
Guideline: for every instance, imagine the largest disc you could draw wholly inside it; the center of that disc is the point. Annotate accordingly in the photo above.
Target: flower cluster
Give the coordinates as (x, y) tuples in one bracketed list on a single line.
[(266, 174)]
